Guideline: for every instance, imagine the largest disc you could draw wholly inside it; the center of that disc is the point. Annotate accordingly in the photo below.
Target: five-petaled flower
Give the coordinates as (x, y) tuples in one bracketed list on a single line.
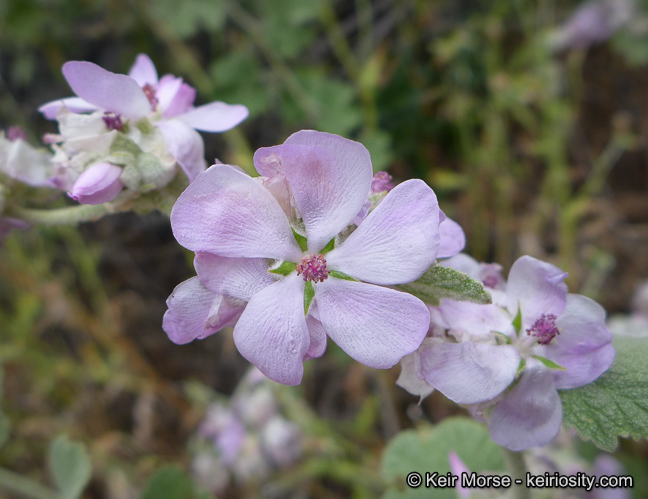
[(282, 252), (535, 333), (166, 101)]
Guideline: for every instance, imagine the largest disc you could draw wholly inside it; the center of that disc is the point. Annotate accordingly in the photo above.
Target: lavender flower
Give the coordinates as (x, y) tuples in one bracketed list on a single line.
[(22, 162), (157, 116), (561, 342), (251, 244)]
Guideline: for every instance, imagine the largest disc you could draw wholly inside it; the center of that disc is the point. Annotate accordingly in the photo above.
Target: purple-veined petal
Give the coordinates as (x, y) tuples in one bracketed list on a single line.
[(113, 92), (99, 184), (530, 414), (330, 178), (181, 102), (267, 161), (196, 312), (397, 242), (376, 326), (143, 71), (474, 319), (317, 333), (226, 212), (166, 91), (272, 333), (185, 145), (452, 238), (237, 277), (215, 116), (469, 373), (74, 104), (537, 287)]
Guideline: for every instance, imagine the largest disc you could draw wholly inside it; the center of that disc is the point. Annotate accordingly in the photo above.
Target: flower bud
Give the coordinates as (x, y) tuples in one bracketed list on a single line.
[(98, 184)]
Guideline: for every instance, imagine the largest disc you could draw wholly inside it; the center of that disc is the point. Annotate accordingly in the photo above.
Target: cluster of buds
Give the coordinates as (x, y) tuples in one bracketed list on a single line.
[(247, 439)]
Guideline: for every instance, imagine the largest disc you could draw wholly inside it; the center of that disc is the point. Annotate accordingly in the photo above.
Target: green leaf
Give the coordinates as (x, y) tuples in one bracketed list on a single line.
[(284, 269), (309, 294), (444, 282), (517, 322), (328, 247), (426, 450), (189, 17), (616, 404), (70, 466), (301, 241), (341, 275), (549, 363), (168, 482)]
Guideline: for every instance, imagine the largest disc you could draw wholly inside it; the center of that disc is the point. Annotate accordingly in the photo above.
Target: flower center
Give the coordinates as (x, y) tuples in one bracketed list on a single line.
[(544, 329), (113, 121), (149, 91), (382, 182), (313, 268)]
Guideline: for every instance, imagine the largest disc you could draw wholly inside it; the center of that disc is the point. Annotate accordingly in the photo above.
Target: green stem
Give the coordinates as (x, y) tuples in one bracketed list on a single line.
[(24, 486), (71, 215), (517, 470)]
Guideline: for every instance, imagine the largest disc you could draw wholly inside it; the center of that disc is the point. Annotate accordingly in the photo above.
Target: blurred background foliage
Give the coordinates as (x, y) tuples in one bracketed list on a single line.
[(533, 138)]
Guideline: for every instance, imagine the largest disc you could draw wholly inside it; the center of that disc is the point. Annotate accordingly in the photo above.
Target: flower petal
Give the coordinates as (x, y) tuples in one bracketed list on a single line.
[(112, 92), (452, 238), (409, 378), (374, 325), (474, 319), (143, 71), (74, 104), (226, 212), (317, 336), (584, 345), (215, 116), (397, 242), (272, 333), (185, 145), (469, 373), (330, 178), (99, 184), (196, 312), (237, 277), (181, 102), (530, 414), (166, 91), (538, 287)]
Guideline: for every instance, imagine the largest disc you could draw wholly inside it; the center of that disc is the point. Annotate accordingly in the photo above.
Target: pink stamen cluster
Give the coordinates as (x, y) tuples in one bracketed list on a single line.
[(544, 329), (113, 121), (16, 132), (382, 182), (313, 268), (149, 91)]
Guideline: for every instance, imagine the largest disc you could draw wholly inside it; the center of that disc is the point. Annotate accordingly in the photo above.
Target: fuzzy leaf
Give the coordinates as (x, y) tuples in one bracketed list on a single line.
[(427, 449), (168, 483), (444, 282), (70, 466), (616, 404)]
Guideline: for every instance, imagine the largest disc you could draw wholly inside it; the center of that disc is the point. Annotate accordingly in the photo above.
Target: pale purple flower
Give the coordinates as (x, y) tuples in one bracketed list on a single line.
[(239, 231), (99, 184), (458, 469), (168, 101), (481, 356), (16, 132)]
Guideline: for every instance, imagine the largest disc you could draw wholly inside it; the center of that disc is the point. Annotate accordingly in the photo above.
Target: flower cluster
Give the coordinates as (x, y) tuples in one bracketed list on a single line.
[(307, 251), (245, 439), (506, 360)]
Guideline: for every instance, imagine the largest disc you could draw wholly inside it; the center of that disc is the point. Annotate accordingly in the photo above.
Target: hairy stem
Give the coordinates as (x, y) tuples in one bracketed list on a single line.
[(517, 470)]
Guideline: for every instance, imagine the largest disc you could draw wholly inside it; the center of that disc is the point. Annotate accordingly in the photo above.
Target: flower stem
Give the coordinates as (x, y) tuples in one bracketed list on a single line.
[(24, 486), (71, 215), (517, 470)]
